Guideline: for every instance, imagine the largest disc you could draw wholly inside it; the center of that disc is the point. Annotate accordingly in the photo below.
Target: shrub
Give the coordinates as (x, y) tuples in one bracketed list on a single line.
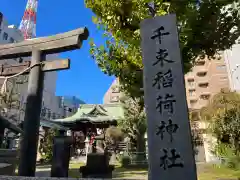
[(231, 158), (233, 163), (47, 145), (113, 136)]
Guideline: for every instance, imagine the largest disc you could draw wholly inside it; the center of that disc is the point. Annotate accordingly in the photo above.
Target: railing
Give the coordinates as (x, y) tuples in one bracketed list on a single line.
[(135, 160), (122, 146)]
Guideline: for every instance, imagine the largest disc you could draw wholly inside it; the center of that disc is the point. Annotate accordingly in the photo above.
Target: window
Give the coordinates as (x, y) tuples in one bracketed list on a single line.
[(203, 85), (74, 109), (5, 36), (193, 101), (11, 40), (43, 113), (49, 113), (53, 116), (220, 67), (224, 78), (59, 103), (190, 82), (58, 116), (20, 60), (197, 137), (202, 74), (200, 63), (205, 96), (191, 92), (114, 98), (115, 89)]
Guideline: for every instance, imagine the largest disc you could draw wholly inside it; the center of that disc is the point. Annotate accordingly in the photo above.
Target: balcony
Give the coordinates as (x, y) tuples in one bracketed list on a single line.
[(206, 93), (205, 96), (115, 89), (202, 73), (193, 98), (203, 84), (114, 99), (190, 82), (223, 78), (192, 102), (200, 62), (190, 78), (192, 88)]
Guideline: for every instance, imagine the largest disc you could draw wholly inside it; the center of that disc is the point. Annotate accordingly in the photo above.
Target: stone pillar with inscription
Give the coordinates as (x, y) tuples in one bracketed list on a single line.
[(61, 156), (170, 151)]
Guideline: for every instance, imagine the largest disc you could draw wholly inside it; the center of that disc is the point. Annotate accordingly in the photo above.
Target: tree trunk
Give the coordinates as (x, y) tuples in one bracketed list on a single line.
[(236, 145), (141, 148)]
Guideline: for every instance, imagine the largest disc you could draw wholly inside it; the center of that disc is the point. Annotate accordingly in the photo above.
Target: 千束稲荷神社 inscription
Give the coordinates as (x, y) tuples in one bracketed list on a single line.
[(169, 136)]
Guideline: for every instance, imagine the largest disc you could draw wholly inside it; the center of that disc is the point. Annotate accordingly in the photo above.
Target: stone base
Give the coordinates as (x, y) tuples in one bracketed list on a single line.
[(97, 172), (8, 156), (97, 166), (8, 170), (44, 178)]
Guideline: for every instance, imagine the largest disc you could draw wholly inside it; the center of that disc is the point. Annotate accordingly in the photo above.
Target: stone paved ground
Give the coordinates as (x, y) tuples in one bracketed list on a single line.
[(205, 172), (43, 171)]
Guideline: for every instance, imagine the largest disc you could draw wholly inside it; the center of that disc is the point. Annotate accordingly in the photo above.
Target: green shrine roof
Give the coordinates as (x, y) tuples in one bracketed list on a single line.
[(95, 113), (53, 125)]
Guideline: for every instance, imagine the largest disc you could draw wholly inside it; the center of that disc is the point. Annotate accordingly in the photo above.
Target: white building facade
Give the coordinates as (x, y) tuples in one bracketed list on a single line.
[(232, 59)]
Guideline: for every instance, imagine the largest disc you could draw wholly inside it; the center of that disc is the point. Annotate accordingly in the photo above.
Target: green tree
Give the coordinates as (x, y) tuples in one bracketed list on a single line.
[(10, 102), (134, 122), (223, 116), (222, 101), (113, 136), (46, 145), (10, 99), (205, 28), (226, 128)]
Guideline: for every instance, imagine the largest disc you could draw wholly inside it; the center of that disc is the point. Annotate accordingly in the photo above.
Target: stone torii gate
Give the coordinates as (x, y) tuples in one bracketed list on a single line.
[(37, 48)]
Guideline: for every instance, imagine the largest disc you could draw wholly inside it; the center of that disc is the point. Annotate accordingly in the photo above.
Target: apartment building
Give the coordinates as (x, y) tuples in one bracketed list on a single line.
[(113, 94), (205, 80)]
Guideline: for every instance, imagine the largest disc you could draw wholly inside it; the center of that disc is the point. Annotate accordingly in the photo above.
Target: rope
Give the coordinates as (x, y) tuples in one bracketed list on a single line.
[(4, 86)]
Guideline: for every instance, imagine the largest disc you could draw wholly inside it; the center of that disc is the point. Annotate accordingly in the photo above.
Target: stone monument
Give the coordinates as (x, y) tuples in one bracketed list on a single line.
[(61, 156), (170, 151)]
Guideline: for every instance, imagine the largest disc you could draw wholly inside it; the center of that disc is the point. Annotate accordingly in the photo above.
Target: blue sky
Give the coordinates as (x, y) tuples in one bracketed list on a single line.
[(84, 79)]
